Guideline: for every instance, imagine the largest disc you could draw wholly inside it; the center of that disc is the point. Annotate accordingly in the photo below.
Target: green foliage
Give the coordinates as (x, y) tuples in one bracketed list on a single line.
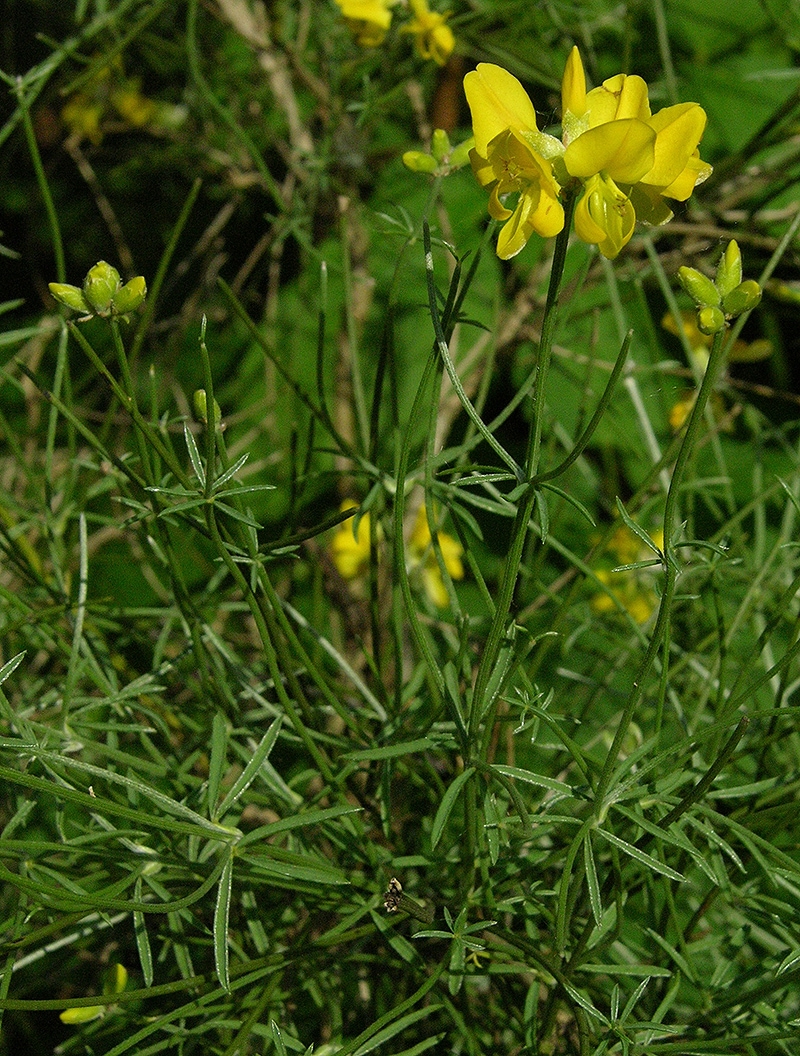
[(553, 699)]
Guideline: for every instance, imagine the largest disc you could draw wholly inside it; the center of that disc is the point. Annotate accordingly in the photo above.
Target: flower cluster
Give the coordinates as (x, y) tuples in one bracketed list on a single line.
[(102, 293), (113, 102), (369, 21), (726, 297), (350, 548), (624, 161)]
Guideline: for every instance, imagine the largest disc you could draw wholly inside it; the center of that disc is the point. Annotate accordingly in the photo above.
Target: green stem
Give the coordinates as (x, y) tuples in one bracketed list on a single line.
[(268, 636), (519, 531), (663, 620), (130, 392)]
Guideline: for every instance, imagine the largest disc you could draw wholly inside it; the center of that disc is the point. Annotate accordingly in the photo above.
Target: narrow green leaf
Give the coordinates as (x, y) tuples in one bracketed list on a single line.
[(591, 879), (142, 939), (640, 856), (194, 454), (287, 873), (277, 1037), (673, 836), (647, 970), (789, 962), (395, 1028), (11, 666), (585, 1003), (534, 779), (447, 804), (675, 954), (133, 785), (221, 917), (492, 826), (295, 821), (216, 765), (249, 773), (565, 881), (637, 529), (421, 1046), (391, 751), (231, 472)]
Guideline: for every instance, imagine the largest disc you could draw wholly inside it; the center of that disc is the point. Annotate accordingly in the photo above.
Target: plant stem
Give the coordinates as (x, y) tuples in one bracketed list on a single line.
[(519, 531), (662, 626)]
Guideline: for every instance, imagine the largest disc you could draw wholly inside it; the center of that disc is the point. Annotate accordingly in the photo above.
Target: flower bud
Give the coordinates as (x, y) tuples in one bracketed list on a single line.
[(70, 296), (440, 144), (729, 269), (700, 288), (742, 299), (101, 283), (418, 161), (130, 296), (200, 405), (710, 319), (459, 156), (573, 86)]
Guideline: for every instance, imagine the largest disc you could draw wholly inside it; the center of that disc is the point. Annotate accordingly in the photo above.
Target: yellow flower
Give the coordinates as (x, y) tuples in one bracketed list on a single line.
[(112, 101), (369, 20), (632, 588), (350, 544), (422, 559), (432, 36), (511, 155), (628, 160)]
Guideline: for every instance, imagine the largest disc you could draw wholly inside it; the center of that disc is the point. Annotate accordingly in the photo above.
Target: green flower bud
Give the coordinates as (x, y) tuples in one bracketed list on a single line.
[(70, 296), (130, 296), (701, 289), (460, 154), (418, 161), (101, 283), (729, 269), (710, 320), (200, 405), (742, 299), (440, 144)]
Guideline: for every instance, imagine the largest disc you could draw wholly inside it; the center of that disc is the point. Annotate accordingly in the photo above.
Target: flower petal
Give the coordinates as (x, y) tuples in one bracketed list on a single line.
[(623, 149), (604, 216), (573, 86), (497, 101), (678, 129), (618, 98)]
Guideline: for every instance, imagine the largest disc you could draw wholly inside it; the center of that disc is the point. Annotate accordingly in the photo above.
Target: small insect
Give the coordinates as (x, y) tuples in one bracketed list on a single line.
[(391, 900)]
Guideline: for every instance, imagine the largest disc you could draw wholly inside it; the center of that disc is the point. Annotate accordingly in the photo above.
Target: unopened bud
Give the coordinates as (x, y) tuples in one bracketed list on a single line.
[(729, 269), (700, 288), (459, 156), (418, 161), (70, 296), (742, 299), (710, 320), (200, 405), (440, 144), (101, 283), (130, 296)]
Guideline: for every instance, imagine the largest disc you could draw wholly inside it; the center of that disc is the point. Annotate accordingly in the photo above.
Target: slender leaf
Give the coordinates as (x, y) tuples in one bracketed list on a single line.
[(142, 939), (447, 804), (221, 917), (216, 765), (640, 856), (248, 775)]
